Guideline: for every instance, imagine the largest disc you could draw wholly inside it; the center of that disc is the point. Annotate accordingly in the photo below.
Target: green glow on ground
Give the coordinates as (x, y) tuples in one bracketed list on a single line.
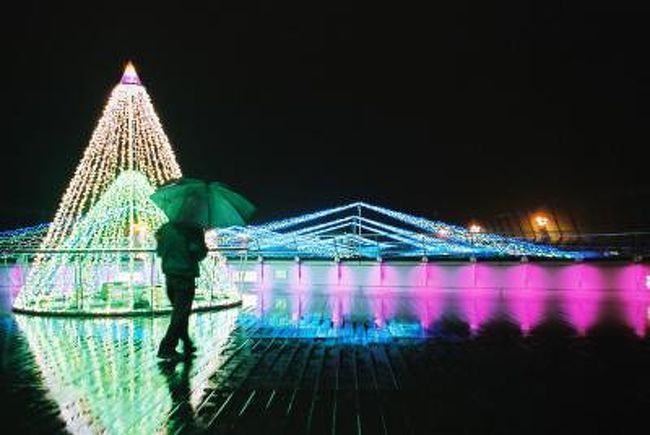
[(104, 374)]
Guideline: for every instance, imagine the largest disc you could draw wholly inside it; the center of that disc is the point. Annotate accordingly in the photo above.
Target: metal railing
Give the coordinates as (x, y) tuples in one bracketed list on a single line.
[(107, 281)]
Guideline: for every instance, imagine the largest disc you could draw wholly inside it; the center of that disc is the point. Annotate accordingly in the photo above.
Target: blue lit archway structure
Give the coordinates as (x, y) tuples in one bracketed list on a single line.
[(354, 231), (364, 231)]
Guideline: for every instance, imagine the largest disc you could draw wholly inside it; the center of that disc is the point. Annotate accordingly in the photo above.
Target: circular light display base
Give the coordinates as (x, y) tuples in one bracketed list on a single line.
[(221, 301)]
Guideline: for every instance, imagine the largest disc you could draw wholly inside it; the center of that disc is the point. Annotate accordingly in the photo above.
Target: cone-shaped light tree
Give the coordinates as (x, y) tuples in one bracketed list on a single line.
[(93, 253), (93, 250), (128, 136)]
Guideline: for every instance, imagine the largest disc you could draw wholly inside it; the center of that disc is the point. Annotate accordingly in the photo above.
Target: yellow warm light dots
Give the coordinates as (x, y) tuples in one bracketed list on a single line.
[(128, 136), (140, 228), (104, 225), (212, 238), (475, 228)]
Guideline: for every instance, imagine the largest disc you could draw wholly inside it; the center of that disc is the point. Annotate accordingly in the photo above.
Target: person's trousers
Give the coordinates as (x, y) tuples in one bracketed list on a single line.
[(180, 290)]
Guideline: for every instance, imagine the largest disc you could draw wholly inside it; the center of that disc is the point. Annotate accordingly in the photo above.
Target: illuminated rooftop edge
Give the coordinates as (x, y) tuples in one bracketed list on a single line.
[(357, 230)]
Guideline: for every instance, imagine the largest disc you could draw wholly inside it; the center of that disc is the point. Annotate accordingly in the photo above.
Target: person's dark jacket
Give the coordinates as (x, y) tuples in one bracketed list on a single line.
[(180, 248)]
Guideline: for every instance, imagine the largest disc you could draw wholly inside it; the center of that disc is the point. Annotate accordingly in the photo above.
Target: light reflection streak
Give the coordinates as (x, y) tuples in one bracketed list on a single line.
[(104, 374), (414, 311)]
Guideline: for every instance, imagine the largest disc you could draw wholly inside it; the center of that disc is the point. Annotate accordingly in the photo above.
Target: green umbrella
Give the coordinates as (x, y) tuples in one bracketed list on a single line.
[(201, 203)]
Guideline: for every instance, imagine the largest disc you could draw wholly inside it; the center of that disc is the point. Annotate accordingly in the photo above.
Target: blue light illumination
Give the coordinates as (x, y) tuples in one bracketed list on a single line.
[(23, 238), (365, 231), (356, 231)]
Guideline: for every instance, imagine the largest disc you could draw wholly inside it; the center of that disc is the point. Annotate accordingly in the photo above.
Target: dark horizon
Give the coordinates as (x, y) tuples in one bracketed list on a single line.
[(458, 113)]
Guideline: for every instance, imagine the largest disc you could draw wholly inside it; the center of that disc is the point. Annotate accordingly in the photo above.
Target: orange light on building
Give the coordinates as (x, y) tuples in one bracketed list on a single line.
[(542, 226), (541, 220)]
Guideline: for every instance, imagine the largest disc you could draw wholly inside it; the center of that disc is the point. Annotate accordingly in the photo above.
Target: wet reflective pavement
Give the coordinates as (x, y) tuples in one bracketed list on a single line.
[(291, 362)]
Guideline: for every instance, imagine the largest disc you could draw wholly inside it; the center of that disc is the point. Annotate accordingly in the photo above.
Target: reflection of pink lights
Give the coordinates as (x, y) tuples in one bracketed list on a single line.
[(345, 274), (527, 294), (581, 308), (384, 307), (300, 278), (391, 274), (380, 313), (337, 311), (526, 307), (334, 274), (297, 311), (16, 280), (429, 307), (417, 276), (262, 303), (477, 306)]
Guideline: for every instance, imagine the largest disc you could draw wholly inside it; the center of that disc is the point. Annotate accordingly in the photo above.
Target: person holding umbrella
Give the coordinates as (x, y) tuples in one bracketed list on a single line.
[(191, 206), (181, 247)]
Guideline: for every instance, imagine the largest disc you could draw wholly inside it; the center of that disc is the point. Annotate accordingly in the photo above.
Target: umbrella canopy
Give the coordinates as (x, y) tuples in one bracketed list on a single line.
[(201, 203)]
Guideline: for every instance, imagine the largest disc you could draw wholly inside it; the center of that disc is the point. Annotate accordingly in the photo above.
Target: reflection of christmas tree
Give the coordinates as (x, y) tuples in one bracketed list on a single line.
[(128, 136), (104, 375)]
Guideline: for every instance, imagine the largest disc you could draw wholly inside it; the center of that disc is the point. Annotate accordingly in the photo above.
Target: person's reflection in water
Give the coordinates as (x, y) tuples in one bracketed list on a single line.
[(181, 416)]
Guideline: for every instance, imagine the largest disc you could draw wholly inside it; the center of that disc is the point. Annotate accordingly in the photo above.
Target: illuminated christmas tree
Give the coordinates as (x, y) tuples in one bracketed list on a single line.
[(128, 136), (122, 220), (97, 255)]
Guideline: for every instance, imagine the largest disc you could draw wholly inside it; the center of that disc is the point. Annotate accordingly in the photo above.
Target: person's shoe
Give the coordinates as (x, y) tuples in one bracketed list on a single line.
[(170, 355), (189, 348)]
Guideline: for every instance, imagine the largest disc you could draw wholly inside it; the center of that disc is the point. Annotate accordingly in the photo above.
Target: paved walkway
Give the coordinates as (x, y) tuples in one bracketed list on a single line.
[(252, 377)]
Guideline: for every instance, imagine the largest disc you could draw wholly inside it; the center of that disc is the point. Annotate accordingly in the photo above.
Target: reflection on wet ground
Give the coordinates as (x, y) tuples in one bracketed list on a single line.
[(363, 362), (97, 375)]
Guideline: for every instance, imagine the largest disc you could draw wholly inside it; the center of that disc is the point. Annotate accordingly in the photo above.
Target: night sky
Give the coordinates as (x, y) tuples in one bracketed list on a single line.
[(461, 110)]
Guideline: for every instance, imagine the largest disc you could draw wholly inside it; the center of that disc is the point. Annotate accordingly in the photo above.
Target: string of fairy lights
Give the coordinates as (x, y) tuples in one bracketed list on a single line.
[(20, 239), (128, 136), (367, 231), (104, 226), (103, 231), (96, 248), (99, 370), (105, 211), (363, 230)]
